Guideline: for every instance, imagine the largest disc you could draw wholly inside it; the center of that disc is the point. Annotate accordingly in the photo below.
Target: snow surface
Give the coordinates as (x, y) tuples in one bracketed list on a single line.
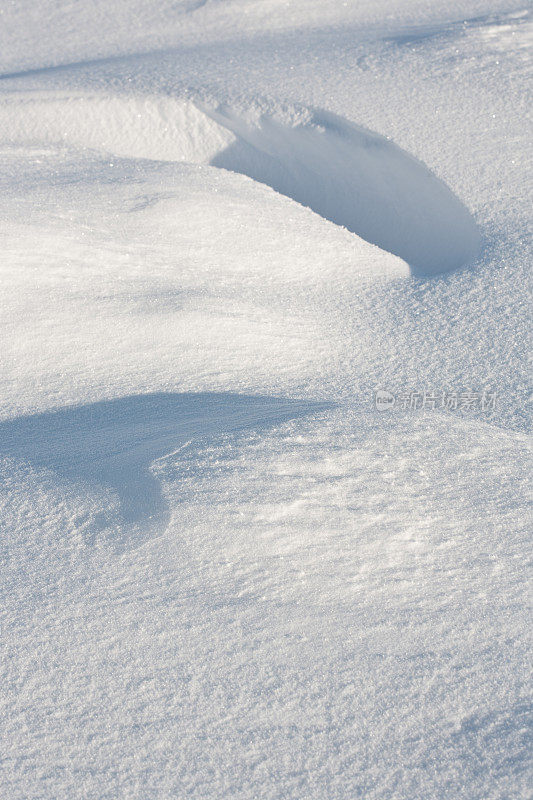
[(225, 225)]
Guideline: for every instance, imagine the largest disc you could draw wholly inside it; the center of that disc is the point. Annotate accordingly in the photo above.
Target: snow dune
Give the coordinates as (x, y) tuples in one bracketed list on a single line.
[(348, 175)]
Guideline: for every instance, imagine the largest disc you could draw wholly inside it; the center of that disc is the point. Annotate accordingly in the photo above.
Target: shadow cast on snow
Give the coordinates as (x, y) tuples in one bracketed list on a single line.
[(112, 443), (359, 180)]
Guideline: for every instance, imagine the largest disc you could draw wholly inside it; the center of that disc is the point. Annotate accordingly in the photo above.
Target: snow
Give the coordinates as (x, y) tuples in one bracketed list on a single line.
[(347, 175), (225, 226), (114, 442)]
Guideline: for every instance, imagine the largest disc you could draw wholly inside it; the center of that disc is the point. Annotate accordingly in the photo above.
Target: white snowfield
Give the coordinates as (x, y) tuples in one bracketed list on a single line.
[(225, 573)]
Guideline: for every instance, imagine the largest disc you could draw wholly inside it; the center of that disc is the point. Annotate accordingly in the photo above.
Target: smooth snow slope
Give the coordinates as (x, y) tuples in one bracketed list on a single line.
[(71, 31), (225, 574)]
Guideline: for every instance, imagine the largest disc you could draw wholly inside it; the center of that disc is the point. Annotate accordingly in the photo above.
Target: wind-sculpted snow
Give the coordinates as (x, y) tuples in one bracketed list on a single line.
[(348, 175), (210, 591), (114, 442)]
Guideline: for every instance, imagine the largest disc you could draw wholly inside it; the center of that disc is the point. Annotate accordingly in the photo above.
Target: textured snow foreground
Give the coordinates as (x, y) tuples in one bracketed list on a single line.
[(225, 573)]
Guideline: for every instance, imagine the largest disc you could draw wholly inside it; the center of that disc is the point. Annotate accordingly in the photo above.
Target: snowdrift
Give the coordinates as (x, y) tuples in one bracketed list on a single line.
[(348, 175)]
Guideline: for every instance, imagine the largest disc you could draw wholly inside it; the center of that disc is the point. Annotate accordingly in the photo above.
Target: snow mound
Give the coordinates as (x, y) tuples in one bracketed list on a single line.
[(348, 175)]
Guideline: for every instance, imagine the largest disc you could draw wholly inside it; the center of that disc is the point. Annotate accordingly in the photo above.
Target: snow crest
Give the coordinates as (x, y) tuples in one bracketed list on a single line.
[(345, 173)]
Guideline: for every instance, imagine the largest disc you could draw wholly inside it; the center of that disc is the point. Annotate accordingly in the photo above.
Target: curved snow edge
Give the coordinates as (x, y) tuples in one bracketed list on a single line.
[(345, 173)]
